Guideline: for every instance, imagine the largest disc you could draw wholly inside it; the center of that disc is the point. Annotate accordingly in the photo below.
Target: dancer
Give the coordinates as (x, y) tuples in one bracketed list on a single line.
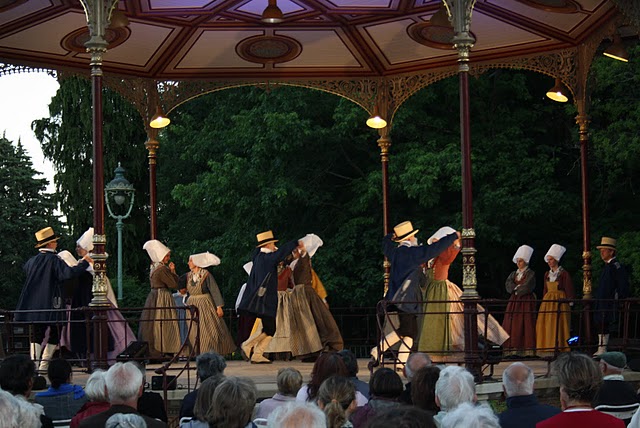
[(404, 294), (205, 295), (520, 315), (45, 273), (552, 333), (159, 327), (260, 298)]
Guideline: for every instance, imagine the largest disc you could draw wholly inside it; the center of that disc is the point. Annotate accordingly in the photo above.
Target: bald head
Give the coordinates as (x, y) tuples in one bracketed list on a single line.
[(415, 362), (517, 380)]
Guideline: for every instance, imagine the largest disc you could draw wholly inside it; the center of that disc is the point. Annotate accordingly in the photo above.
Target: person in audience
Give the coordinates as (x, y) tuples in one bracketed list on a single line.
[(289, 381), (351, 362), (523, 409), (150, 403), (207, 364), (468, 415), (403, 417), (295, 415), (386, 387), (337, 399), (203, 407), (415, 362), (16, 413), (124, 386), (122, 420), (616, 397), (16, 377), (96, 391), (579, 378), (327, 365), (455, 386), (423, 389), (234, 400), (63, 399)]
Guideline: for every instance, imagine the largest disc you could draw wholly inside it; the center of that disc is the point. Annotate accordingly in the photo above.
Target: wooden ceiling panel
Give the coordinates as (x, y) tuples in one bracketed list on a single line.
[(321, 49), (216, 50), (23, 9), (145, 43)]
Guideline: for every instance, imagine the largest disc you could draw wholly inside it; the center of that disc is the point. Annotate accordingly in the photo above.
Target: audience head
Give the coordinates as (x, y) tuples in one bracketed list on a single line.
[(385, 383), (327, 365), (469, 415), (423, 388), (125, 420), (337, 398), (234, 401), (209, 364), (203, 409), (350, 361), (455, 385), (289, 381), (579, 377), (517, 380), (402, 417), (416, 361), (143, 370), (15, 412), (59, 372), (124, 383), (16, 374), (96, 386), (612, 363), (295, 415)]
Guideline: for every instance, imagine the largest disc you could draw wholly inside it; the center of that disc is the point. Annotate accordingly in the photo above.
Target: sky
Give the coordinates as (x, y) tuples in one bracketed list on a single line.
[(25, 97)]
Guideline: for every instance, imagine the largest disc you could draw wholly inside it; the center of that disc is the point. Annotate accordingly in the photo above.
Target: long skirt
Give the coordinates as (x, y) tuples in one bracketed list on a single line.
[(159, 327), (552, 317), (520, 323), (214, 333), (325, 323)]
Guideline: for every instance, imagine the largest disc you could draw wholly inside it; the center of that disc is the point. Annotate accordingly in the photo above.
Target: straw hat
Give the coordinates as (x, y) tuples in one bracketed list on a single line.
[(404, 231), (86, 240), (203, 260), (606, 242), (44, 236), (265, 238), (441, 233), (524, 252), (556, 251), (156, 250), (312, 243)]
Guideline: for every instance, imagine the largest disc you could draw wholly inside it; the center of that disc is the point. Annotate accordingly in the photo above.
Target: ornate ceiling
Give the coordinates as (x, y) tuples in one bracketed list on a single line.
[(318, 39)]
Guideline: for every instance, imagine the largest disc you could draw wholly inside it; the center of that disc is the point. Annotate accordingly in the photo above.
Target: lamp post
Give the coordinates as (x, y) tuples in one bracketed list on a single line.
[(119, 191)]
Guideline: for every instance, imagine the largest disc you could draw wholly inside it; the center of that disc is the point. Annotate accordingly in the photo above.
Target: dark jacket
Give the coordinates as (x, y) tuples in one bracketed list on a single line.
[(100, 419), (43, 286), (404, 282), (525, 412), (265, 269), (617, 398), (613, 279)]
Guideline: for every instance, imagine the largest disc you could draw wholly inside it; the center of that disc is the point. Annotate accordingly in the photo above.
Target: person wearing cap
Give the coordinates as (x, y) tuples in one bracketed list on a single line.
[(614, 280), (443, 322), (42, 291), (260, 298), (616, 396), (404, 295), (552, 333), (205, 295), (520, 315), (159, 327)]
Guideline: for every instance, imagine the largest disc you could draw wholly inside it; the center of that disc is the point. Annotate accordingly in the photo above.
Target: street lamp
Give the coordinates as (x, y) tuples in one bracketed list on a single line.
[(119, 191)]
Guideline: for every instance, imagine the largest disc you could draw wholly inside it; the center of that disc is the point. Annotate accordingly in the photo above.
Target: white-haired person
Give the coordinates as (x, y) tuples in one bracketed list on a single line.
[(205, 295), (455, 386), (15, 412), (296, 415), (128, 420), (96, 391), (552, 326), (469, 415), (523, 408), (124, 383)]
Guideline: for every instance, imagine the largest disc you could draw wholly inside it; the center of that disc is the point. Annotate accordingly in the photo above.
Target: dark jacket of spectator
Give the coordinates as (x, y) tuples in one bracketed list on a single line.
[(524, 411)]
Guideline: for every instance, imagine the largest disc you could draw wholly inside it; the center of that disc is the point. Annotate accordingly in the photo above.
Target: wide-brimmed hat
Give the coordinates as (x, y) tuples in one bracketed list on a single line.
[(441, 233), (44, 236), (203, 260), (404, 231), (156, 250), (524, 252), (265, 238), (607, 242), (556, 251), (68, 258), (615, 359), (86, 240), (312, 243)]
